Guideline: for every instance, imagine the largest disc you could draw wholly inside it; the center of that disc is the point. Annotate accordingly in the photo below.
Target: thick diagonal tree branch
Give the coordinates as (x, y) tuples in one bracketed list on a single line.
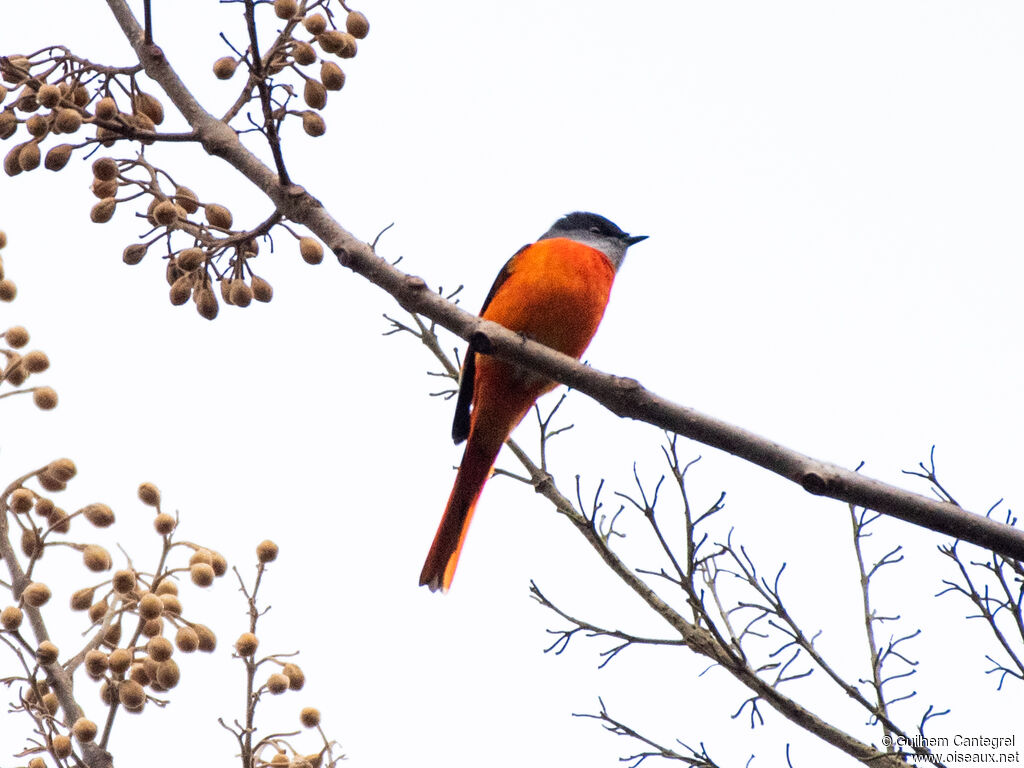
[(622, 396)]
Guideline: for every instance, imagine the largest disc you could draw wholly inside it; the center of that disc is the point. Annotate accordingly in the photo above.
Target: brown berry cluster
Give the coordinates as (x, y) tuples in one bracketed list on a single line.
[(294, 50), (18, 365), (50, 97)]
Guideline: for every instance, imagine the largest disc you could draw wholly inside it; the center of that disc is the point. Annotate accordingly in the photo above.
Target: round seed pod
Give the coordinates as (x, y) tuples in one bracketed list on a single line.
[(357, 24), (8, 124), (241, 293), (220, 565), (67, 120), (16, 336), (106, 108), (315, 23), (48, 95), (303, 53), (218, 216), (131, 695), (164, 523), (95, 663), (166, 587), (51, 483), (47, 652), (140, 674), (310, 717), (36, 594), (80, 95), (84, 730), (15, 374), (45, 507), (62, 469), (280, 760), (113, 635), (50, 703), (105, 168), (202, 574), (296, 677), (207, 639), (277, 683), (191, 259), (57, 157), (149, 494), (103, 211), (59, 520), (247, 644), (104, 189), (96, 558), (45, 398), (181, 290), (313, 124), (21, 500), (97, 611), (37, 362), (206, 303), (187, 639), (266, 551), (159, 649), (60, 745), (171, 603), (331, 40), (99, 515), (150, 106), (201, 555), (153, 627), (26, 100), (165, 213), (168, 674), (11, 618), (37, 126), (124, 581), (119, 660), (313, 93), (31, 543), (11, 165), (29, 156), (224, 68), (150, 607), (262, 290), (332, 76), (285, 9), (133, 254), (187, 199), (225, 289)]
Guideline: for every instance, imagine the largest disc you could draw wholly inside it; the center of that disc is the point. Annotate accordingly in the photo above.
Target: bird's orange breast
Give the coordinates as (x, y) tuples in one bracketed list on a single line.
[(556, 293)]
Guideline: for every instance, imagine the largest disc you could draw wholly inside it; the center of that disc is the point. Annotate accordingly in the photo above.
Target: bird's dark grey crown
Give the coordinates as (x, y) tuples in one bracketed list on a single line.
[(587, 222)]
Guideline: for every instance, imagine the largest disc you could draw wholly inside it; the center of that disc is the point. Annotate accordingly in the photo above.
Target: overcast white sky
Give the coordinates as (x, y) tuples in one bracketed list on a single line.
[(833, 194)]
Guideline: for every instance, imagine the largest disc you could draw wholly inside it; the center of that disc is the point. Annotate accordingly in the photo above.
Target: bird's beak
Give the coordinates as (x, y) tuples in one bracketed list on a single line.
[(634, 239)]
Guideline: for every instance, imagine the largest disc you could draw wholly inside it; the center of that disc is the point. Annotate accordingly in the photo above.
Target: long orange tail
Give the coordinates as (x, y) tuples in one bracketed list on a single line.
[(439, 569)]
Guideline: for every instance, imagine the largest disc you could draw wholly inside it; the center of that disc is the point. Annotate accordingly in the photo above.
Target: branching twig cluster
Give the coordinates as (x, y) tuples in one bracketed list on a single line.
[(57, 93), (274, 749), (735, 616), (137, 627)]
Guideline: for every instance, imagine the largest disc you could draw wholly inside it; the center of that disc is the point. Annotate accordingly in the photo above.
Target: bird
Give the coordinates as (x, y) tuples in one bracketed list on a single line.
[(553, 291)]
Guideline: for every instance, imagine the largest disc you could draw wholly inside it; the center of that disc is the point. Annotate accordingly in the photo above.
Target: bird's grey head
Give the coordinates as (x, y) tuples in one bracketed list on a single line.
[(595, 231)]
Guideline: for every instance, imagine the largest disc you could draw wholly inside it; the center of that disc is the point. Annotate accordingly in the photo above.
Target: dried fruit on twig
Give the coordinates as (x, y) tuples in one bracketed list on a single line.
[(224, 68), (357, 24)]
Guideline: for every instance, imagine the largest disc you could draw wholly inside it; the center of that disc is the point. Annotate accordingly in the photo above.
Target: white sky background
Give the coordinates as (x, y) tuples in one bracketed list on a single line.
[(833, 194)]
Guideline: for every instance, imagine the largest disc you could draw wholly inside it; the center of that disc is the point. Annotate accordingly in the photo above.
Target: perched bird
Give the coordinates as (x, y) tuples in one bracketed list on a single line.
[(553, 291)]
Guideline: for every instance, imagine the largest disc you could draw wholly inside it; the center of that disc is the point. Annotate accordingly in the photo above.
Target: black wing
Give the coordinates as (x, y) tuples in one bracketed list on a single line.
[(460, 424)]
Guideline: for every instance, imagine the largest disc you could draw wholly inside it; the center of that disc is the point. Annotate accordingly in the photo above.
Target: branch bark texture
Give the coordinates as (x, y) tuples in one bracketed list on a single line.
[(623, 396)]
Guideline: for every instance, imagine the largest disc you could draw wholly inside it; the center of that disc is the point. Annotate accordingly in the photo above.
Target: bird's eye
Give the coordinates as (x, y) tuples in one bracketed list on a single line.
[(596, 230)]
